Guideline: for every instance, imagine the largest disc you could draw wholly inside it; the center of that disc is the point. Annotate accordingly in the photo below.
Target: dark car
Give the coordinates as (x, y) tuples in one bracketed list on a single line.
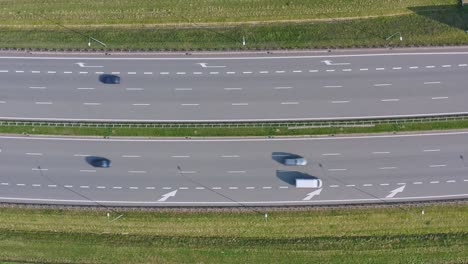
[(100, 162), (109, 79)]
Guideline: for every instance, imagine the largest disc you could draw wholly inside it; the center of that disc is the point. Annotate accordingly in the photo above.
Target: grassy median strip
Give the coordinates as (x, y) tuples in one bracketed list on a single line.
[(227, 131), (378, 235), (420, 22)]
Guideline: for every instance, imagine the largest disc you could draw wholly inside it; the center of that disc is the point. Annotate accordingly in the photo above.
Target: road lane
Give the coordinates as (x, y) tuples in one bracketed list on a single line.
[(229, 171), (179, 89)]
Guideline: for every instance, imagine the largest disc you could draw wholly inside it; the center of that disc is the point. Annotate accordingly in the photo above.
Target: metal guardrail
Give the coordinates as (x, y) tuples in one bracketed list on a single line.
[(288, 124)]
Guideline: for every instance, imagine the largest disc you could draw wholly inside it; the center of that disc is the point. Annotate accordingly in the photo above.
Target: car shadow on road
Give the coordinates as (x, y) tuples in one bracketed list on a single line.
[(281, 156), (290, 177)]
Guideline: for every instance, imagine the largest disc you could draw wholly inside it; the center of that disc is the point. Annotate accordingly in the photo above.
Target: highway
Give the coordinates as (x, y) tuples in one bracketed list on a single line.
[(233, 172), (234, 87)]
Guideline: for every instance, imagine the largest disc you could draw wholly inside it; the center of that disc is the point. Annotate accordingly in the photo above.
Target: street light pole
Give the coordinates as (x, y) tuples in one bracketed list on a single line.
[(398, 33), (100, 42)]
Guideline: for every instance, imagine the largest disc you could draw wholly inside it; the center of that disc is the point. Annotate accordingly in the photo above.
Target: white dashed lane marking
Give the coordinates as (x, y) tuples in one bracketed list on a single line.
[(34, 154), (431, 150), (134, 89), (233, 89), (87, 170), (439, 98), (282, 88), (387, 168), (183, 89), (187, 172), (39, 169), (339, 102), (437, 165), (337, 169)]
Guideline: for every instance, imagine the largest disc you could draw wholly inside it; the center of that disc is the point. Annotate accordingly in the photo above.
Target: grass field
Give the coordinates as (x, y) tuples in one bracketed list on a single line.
[(138, 12), (224, 131), (180, 25), (384, 235)]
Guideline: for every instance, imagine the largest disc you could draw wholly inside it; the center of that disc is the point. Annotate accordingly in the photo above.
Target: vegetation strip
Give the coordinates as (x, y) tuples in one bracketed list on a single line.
[(147, 27), (88, 12), (231, 131), (359, 235)]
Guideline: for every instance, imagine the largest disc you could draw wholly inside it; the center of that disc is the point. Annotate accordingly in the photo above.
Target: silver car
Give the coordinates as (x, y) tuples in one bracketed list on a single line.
[(295, 162)]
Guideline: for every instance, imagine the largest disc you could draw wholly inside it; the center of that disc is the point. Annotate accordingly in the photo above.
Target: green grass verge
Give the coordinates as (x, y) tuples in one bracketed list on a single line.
[(438, 27), (89, 12), (381, 235), (211, 132)]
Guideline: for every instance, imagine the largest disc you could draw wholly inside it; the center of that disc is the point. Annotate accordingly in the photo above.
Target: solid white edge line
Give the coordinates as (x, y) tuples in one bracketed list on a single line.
[(233, 120), (462, 195), (234, 139), (240, 58)]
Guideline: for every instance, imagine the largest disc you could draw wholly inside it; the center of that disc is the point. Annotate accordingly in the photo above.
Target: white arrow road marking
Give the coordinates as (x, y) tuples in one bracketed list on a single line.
[(82, 65), (329, 62), (167, 195), (397, 190), (204, 65), (312, 194)]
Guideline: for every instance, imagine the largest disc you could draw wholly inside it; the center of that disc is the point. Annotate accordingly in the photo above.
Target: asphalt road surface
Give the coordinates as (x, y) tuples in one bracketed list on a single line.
[(236, 87), (234, 172)]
